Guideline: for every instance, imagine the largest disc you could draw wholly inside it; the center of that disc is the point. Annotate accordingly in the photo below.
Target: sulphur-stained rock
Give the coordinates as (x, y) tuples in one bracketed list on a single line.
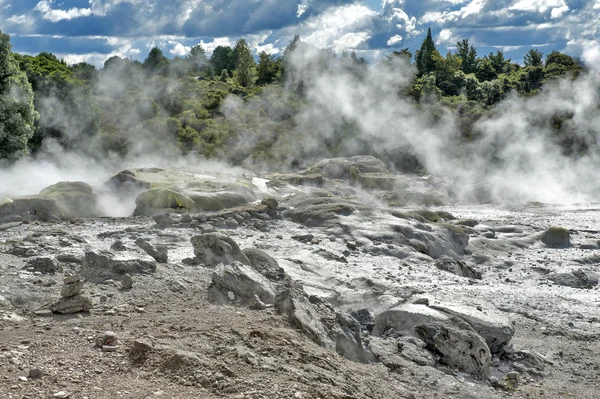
[(32, 208), (459, 346), (213, 249), (75, 199), (348, 167)]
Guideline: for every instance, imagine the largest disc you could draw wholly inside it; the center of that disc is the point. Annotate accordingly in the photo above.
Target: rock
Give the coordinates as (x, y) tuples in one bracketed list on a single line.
[(157, 200), (6, 226), (119, 246), (348, 168), (243, 281), (32, 207), (305, 238), (318, 215), (127, 282), (72, 304), (62, 394), (458, 268), (556, 237), (72, 286), (513, 377), (322, 323), (256, 303), (271, 203), (231, 296), (140, 349), (68, 258), (75, 199), (467, 222), (397, 353), (163, 219), (584, 279), (44, 265), (492, 325), (107, 338), (100, 266), (186, 218), (35, 373), (403, 319), (159, 252), (365, 318), (265, 265), (213, 249), (459, 346)]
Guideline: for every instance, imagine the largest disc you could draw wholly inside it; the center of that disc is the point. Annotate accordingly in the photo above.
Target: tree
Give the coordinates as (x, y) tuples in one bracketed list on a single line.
[(244, 64), (427, 55), (498, 62), (403, 54), (267, 68), (197, 57), (468, 55), (223, 58), (533, 58), (156, 62), (17, 112), (85, 72)]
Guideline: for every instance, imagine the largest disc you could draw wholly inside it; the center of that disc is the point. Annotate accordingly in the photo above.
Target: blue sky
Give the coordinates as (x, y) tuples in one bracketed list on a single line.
[(94, 30)]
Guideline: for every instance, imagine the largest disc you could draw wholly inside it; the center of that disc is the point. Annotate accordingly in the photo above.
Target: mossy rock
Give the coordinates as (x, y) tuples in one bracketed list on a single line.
[(157, 199), (75, 199), (4, 201), (556, 237), (428, 215)]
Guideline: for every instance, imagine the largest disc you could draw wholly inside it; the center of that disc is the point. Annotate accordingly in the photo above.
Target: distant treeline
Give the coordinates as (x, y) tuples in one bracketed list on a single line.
[(165, 106)]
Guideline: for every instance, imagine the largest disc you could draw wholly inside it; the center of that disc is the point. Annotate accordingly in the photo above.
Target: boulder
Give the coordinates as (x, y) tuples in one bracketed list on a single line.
[(458, 345), (577, 279), (75, 199), (44, 264), (397, 353), (243, 281), (458, 268), (100, 266), (32, 208), (493, 326), (213, 249), (72, 304), (319, 215), (349, 167), (556, 237), (324, 324), (72, 286), (403, 319), (160, 253), (157, 200), (265, 265)]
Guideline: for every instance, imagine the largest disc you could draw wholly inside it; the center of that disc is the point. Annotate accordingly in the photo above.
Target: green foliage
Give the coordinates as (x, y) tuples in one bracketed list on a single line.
[(533, 58), (156, 63), (245, 72), (223, 58), (427, 56), (17, 112), (268, 69), (468, 56)]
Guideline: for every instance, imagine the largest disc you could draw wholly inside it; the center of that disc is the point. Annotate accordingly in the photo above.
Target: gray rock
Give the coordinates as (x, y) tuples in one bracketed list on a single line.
[(213, 249), (322, 323), (33, 208), (127, 282), (397, 353), (243, 281), (160, 253), (318, 215), (459, 346), (403, 319), (349, 167), (492, 325), (100, 266), (584, 279), (44, 265), (556, 237), (265, 265), (365, 318), (271, 203), (74, 199), (163, 220), (72, 286), (458, 268), (72, 304)]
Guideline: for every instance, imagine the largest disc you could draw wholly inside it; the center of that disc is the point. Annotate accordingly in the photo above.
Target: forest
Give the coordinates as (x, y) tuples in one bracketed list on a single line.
[(254, 112)]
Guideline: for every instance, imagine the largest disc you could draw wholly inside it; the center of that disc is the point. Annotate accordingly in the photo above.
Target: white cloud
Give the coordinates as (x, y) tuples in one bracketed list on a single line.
[(394, 40), (537, 5), (445, 37), (179, 49), (53, 15), (474, 7), (559, 11), (268, 48), (21, 19), (217, 41)]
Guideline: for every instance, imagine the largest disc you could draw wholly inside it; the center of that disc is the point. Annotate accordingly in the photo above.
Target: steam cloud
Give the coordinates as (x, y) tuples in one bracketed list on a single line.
[(513, 160)]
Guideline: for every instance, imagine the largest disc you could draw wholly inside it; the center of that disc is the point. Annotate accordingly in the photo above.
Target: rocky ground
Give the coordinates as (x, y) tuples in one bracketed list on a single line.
[(341, 281)]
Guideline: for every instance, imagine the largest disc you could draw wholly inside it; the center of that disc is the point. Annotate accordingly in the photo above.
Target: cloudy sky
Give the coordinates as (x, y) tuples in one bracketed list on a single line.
[(94, 30)]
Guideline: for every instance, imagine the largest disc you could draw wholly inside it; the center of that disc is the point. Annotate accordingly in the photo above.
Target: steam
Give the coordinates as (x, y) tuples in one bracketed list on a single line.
[(345, 111)]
